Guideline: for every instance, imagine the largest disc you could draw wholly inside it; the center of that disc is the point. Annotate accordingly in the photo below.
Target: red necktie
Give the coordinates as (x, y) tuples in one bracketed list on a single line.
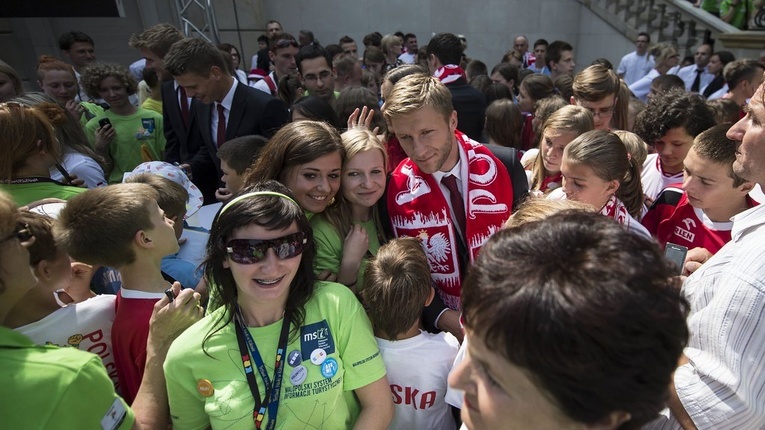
[(221, 125), (450, 182), (184, 106)]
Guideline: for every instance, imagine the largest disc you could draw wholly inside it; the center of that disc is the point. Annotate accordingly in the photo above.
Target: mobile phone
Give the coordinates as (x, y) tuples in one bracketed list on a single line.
[(103, 122), (64, 173), (675, 254), (169, 294)]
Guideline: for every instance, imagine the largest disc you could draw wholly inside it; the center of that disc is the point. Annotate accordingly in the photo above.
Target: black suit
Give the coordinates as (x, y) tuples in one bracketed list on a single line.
[(183, 142), (470, 104), (252, 112)]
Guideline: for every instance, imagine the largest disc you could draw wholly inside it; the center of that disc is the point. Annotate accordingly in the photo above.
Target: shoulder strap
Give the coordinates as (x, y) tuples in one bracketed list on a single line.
[(271, 84)]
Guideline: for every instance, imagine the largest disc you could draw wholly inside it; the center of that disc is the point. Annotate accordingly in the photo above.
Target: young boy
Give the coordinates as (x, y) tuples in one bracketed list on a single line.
[(669, 124), (236, 159), (122, 226), (699, 213), (397, 288), (172, 200), (85, 326)]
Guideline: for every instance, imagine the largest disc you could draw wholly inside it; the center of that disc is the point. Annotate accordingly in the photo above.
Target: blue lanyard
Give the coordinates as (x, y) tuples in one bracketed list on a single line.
[(250, 353)]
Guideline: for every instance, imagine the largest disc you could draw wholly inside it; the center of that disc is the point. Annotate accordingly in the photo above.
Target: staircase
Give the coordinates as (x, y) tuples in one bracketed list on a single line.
[(676, 21)]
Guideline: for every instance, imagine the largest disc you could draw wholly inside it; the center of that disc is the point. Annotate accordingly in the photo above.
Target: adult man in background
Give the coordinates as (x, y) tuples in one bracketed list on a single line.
[(638, 63)]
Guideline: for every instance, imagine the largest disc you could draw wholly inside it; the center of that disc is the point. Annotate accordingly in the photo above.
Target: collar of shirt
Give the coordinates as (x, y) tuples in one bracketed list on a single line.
[(229, 99), (747, 220), (456, 171)]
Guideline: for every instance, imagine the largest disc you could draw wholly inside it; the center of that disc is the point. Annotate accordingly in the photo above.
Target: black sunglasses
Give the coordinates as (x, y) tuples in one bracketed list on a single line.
[(251, 251)]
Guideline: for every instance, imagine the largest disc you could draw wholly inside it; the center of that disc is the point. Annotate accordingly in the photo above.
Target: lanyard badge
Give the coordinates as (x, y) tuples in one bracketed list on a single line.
[(250, 354)]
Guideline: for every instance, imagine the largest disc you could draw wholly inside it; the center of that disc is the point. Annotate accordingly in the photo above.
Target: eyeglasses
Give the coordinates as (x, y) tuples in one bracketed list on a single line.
[(251, 251), (21, 232), (601, 112)]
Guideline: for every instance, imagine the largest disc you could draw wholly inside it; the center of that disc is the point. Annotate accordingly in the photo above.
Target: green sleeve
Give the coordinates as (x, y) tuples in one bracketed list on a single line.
[(90, 130), (187, 407), (356, 343), (90, 400), (329, 245)]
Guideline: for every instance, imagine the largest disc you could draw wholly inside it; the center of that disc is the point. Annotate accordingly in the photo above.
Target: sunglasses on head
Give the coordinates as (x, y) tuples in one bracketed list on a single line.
[(251, 251), (21, 232), (285, 43)]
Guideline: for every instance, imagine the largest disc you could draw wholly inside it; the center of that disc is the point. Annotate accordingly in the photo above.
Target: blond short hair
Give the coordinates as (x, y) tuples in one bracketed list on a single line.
[(414, 92)]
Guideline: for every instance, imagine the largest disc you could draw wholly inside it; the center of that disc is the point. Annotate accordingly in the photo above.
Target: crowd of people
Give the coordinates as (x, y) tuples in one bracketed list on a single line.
[(399, 237)]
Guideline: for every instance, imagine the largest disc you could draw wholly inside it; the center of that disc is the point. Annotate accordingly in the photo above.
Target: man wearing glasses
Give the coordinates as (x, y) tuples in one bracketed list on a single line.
[(596, 88), (282, 53), (316, 73)]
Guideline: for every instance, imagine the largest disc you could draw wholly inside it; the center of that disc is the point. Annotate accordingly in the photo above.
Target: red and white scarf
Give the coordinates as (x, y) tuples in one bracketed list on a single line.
[(450, 73), (614, 208), (418, 208)]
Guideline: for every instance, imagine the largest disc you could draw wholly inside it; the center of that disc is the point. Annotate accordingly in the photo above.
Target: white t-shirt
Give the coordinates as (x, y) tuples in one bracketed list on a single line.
[(83, 167), (86, 326), (418, 369), (654, 179)]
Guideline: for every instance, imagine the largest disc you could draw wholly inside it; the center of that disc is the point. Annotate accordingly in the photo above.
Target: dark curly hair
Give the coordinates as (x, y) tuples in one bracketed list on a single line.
[(671, 110), (93, 75), (589, 310), (272, 213)]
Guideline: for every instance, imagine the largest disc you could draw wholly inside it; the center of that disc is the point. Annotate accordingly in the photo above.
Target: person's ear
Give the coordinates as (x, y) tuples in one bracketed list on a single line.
[(42, 270), (613, 186), (613, 420), (216, 72), (431, 296), (745, 188), (142, 239), (453, 121)]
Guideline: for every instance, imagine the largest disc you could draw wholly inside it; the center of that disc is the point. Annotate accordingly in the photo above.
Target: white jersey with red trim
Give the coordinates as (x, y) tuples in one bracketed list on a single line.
[(654, 179)]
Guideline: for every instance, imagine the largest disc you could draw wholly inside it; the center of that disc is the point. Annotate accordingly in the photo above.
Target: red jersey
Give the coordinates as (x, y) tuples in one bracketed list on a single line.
[(130, 332), (673, 219)]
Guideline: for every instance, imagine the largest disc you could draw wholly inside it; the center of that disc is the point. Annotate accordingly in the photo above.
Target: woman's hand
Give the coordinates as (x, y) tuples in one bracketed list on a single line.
[(362, 118), (75, 109), (356, 243)]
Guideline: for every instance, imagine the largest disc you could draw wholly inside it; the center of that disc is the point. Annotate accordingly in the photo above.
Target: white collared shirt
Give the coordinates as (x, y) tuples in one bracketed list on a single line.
[(227, 102)]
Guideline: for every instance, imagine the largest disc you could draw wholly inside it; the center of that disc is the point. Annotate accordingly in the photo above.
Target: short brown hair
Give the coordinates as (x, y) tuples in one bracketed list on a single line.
[(195, 56), (98, 226), (396, 285), (41, 227), (171, 196), (93, 75), (416, 91), (157, 39), (596, 83), (241, 152), (714, 145)]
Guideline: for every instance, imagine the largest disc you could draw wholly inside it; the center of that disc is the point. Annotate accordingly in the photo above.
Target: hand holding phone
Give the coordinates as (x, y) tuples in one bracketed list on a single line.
[(103, 122), (675, 254)]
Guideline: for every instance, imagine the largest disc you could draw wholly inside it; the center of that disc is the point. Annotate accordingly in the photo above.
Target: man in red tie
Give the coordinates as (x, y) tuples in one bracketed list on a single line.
[(223, 108), (181, 131), (452, 192)]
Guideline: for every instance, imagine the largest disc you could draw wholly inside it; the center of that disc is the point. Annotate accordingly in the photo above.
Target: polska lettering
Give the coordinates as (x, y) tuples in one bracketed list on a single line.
[(412, 396)]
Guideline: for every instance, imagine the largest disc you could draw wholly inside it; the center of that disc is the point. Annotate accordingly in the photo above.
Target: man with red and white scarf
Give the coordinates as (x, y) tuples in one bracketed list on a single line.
[(452, 192), (444, 55)]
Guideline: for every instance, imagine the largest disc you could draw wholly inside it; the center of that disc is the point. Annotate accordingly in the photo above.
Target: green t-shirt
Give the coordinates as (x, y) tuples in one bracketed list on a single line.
[(141, 129), (739, 15), (92, 110), (26, 193), (334, 322), (52, 387), (329, 247), (151, 104)]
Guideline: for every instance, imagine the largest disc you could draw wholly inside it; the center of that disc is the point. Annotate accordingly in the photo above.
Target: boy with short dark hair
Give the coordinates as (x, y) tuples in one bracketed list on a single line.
[(236, 159), (397, 288), (697, 212), (122, 226)]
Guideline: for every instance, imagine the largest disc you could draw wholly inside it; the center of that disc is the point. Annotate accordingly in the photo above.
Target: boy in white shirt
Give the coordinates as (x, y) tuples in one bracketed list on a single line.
[(397, 287)]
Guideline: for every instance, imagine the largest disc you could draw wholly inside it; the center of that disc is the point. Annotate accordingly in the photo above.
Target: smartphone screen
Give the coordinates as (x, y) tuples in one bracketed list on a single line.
[(675, 254)]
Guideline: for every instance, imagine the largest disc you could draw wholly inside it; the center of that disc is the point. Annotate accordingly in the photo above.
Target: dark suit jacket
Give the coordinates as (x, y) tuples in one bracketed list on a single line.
[(470, 104), (252, 112), (183, 142)]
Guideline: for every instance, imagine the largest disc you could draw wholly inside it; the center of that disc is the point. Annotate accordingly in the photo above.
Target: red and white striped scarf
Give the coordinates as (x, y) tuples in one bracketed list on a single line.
[(418, 208), (450, 73)]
